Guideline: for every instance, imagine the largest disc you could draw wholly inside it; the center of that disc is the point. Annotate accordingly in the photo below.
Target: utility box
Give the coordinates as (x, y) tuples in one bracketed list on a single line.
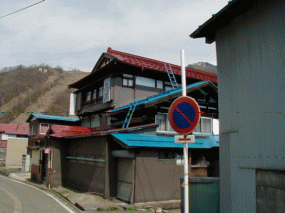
[(204, 195)]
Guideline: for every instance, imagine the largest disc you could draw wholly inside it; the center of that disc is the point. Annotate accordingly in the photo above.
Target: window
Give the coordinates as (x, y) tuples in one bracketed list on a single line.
[(162, 120), (44, 129), (95, 121), (94, 96), (204, 126), (85, 122), (108, 120), (88, 96), (143, 81), (128, 80), (166, 155), (159, 84), (33, 130), (101, 92)]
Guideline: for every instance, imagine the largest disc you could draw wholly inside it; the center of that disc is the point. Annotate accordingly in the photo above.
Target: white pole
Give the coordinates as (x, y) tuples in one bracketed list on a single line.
[(185, 149), (186, 179), (183, 76)]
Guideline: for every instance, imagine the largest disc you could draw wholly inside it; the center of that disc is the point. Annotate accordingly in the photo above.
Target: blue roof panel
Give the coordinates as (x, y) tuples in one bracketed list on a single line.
[(53, 117), (160, 95), (145, 140)]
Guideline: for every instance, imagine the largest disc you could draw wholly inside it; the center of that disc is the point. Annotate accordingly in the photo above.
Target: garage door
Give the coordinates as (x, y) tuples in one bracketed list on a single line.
[(125, 179)]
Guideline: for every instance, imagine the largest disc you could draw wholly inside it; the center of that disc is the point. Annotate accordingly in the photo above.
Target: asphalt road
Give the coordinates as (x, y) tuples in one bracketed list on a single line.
[(16, 197)]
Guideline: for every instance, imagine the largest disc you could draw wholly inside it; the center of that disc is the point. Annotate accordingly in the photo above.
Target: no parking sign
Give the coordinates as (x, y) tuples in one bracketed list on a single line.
[(184, 115)]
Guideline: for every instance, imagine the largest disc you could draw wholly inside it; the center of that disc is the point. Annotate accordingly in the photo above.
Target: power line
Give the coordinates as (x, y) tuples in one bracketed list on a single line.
[(22, 9)]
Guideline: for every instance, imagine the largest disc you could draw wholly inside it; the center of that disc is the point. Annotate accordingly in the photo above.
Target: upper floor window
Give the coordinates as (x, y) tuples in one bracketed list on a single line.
[(44, 128), (101, 91), (143, 81), (88, 96), (95, 121), (205, 125), (94, 95), (33, 130), (162, 120), (128, 80), (85, 122), (159, 84)]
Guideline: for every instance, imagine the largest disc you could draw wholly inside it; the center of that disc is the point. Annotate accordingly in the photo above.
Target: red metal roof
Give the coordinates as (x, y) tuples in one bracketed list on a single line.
[(61, 131), (159, 65), (14, 129)]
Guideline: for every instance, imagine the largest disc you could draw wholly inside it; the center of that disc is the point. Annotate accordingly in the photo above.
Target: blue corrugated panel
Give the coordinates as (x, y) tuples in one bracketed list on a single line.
[(160, 95), (53, 117), (145, 140)]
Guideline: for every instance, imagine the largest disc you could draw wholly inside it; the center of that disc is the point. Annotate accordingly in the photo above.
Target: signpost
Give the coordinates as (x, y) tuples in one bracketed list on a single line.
[(184, 115)]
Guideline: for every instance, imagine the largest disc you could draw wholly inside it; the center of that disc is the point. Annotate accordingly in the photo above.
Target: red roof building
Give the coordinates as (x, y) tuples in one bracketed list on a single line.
[(152, 64), (14, 129)]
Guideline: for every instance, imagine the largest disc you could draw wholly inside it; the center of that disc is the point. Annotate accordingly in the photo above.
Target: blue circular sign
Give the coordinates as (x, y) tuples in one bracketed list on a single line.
[(184, 115)]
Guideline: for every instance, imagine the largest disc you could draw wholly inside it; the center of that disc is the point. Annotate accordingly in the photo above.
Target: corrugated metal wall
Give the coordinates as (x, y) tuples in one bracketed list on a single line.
[(251, 101)]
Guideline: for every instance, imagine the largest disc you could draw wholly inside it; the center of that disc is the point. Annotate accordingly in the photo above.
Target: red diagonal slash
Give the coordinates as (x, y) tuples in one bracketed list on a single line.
[(187, 119)]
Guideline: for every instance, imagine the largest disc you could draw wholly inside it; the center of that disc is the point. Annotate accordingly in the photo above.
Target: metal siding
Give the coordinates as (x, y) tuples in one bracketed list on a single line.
[(251, 93), (256, 91), (125, 178)]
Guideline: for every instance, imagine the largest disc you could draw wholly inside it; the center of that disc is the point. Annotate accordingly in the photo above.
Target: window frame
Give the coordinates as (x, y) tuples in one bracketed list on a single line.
[(171, 155), (88, 95), (200, 123), (48, 125), (94, 92), (167, 124), (129, 78), (33, 129)]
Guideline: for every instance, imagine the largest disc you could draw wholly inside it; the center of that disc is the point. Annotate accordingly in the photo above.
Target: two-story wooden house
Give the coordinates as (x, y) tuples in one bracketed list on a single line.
[(140, 162), (118, 78)]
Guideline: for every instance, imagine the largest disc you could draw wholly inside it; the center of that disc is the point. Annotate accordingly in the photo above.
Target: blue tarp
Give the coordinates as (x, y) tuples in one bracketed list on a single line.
[(147, 140)]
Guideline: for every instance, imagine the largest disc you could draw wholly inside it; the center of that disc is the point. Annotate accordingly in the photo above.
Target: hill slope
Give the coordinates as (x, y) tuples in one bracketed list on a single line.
[(26, 90)]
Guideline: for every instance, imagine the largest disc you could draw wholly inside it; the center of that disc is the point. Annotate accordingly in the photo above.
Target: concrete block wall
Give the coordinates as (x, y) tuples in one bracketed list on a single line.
[(270, 191)]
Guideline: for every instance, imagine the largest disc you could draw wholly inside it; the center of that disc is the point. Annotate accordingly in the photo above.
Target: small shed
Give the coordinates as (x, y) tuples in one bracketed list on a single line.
[(149, 166)]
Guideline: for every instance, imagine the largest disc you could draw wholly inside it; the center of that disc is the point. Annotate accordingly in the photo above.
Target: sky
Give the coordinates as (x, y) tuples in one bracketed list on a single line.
[(74, 33)]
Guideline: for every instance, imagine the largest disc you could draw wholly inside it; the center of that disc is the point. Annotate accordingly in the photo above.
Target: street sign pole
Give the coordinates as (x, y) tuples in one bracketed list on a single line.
[(185, 150)]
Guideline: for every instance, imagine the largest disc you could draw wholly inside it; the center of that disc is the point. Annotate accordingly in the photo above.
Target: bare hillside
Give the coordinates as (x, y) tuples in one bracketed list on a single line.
[(29, 90)]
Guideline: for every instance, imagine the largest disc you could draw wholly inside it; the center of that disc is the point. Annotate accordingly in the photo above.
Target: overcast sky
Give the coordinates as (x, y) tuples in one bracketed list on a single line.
[(74, 33)]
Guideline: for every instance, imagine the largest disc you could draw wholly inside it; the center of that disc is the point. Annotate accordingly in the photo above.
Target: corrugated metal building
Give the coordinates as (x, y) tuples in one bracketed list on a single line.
[(249, 38)]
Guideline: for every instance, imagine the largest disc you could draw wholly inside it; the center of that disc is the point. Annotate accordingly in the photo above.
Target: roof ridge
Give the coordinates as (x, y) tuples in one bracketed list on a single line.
[(110, 50)]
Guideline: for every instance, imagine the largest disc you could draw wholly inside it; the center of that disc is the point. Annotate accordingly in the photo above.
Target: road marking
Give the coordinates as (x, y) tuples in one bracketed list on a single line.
[(187, 119), (17, 203), (55, 199)]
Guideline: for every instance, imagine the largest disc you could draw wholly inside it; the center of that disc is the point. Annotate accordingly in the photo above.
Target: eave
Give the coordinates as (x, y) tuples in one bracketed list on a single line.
[(220, 19)]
